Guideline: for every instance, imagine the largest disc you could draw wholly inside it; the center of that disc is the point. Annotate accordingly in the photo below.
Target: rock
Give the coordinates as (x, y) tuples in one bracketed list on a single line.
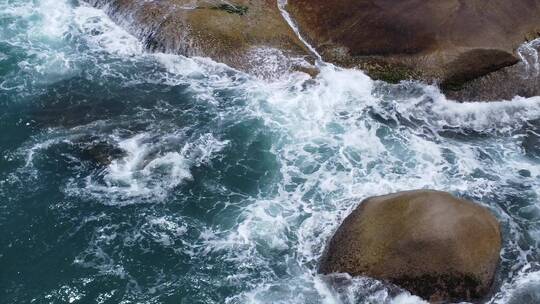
[(243, 34), (437, 246), (504, 84), (101, 153), (451, 42)]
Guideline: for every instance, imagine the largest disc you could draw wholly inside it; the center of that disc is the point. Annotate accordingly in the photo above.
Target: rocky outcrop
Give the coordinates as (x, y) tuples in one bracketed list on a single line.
[(467, 47), (244, 34), (451, 42), (435, 245), (504, 84)]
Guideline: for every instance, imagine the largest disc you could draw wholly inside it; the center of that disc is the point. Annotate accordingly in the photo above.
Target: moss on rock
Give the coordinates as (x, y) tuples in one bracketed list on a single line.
[(232, 9)]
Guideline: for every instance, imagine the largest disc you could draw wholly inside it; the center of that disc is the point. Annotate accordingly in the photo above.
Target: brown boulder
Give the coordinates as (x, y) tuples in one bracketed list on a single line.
[(447, 41), (437, 246), (243, 34)]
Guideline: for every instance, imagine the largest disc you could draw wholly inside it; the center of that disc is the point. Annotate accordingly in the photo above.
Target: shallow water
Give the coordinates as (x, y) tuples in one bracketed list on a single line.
[(128, 177)]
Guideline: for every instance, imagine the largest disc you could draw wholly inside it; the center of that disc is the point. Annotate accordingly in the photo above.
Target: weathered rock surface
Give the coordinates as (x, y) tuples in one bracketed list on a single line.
[(504, 84), (435, 245), (467, 47), (451, 42), (244, 34)]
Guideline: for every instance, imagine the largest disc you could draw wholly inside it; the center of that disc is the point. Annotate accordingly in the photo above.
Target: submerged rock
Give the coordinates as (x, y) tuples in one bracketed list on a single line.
[(100, 152), (437, 246), (247, 34), (450, 42)]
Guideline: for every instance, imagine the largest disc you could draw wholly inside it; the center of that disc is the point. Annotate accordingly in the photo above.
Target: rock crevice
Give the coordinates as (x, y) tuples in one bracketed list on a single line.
[(469, 48)]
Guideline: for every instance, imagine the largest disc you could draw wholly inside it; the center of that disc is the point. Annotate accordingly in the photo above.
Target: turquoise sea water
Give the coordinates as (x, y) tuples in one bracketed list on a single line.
[(129, 177)]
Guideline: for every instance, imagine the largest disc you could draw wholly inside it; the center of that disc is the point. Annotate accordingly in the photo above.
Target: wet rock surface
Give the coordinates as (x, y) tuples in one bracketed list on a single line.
[(98, 151), (468, 48), (450, 42), (250, 35), (437, 246)]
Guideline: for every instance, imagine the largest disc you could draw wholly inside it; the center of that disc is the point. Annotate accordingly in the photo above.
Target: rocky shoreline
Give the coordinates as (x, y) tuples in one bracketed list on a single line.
[(249, 35), (456, 44), (428, 242), (469, 49)]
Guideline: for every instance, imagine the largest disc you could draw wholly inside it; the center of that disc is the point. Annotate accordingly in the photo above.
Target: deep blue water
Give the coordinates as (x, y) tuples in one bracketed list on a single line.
[(128, 177)]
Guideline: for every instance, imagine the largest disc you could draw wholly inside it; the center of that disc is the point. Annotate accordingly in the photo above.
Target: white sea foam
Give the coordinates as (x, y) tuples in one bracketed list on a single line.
[(272, 63), (56, 18), (524, 289), (407, 299), (528, 53), (487, 116), (146, 173), (330, 115), (165, 230), (328, 128), (41, 37), (66, 293), (102, 32), (331, 153)]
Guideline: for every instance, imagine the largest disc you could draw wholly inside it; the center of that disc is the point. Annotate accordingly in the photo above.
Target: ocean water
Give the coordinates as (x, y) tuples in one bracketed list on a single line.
[(130, 177)]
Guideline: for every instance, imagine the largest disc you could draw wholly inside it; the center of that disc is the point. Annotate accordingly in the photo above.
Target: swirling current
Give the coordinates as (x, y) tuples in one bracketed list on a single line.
[(135, 177)]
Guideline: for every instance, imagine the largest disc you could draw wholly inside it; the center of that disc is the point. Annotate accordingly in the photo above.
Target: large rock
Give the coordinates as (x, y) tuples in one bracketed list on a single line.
[(247, 34), (435, 245), (451, 42)]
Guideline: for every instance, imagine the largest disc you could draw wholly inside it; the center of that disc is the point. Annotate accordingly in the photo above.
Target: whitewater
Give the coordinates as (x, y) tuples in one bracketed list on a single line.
[(136, 177)]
